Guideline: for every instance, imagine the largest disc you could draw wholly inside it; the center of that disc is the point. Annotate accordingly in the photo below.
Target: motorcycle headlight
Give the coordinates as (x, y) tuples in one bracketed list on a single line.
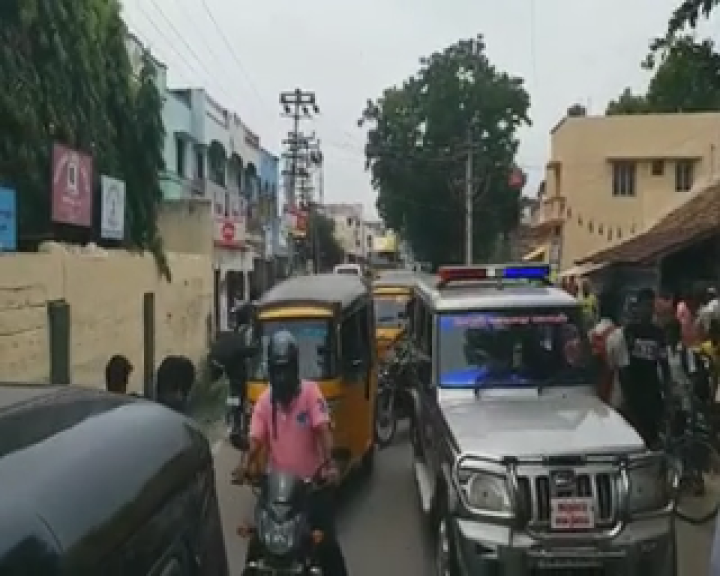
[(650, 487), (486, 492), (279, 538)]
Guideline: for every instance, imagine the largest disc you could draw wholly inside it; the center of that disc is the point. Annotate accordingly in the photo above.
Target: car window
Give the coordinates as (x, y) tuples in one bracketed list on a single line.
[(513, 348)]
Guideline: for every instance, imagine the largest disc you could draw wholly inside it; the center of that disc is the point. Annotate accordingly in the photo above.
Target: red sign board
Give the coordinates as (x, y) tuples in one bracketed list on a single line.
[(72, 187)]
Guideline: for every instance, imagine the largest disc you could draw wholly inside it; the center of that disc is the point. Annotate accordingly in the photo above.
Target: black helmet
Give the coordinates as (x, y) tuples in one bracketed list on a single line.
[(283, 367)]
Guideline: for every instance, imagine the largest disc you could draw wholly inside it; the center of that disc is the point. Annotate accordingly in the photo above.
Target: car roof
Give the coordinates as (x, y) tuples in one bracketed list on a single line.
[(396, 278), (493, 295), (76, 465), (342, 289)]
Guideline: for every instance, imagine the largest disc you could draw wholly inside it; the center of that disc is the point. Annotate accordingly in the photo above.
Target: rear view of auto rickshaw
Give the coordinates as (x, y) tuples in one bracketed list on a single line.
[(331, 318), (392, 297)]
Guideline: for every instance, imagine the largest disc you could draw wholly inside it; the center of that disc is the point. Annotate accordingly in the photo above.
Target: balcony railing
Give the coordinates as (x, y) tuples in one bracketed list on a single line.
[(550, 212)]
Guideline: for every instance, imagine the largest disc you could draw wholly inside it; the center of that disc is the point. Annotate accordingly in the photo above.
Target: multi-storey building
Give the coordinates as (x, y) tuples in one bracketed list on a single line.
[(611, 177)]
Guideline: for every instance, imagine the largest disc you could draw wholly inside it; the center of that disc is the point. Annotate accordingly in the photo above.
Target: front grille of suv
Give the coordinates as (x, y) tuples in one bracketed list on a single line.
[(535, 491)]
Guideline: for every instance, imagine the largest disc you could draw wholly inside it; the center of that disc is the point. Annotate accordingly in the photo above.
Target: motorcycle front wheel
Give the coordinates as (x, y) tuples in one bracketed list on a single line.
[(385, 418)]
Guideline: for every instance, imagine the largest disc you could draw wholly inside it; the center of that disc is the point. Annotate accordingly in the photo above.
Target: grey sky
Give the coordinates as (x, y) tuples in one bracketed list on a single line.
[(568, 51)]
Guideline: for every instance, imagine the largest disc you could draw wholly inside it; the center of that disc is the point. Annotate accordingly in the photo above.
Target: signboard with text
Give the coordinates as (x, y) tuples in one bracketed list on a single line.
[(8, 220), (72, 187), (112, 218), (229, 230)]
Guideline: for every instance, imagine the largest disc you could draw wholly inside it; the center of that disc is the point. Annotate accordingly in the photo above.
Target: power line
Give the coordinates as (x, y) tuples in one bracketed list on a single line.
[(233, 54)]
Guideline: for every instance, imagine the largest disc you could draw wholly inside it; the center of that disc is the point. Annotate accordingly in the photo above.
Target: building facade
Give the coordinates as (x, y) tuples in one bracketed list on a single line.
[(349, 229), (611, 177)]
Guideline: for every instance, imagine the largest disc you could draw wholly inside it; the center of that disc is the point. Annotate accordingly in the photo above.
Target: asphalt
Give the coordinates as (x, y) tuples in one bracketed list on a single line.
[(380, 527)]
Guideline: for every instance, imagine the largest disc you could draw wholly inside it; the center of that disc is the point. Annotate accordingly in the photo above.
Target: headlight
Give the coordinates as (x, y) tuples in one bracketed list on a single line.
[(486, 492), (650, 487), (278, 537)]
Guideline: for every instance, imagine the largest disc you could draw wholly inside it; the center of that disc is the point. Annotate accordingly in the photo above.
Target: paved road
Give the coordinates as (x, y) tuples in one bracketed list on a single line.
[(380, 528)]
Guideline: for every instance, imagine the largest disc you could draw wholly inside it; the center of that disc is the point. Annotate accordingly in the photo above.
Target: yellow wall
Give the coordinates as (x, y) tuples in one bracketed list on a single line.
[(580, 172), (105, 292)]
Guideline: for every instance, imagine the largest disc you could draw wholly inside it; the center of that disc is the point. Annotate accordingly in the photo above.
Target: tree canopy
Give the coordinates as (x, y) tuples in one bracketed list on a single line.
[(686, 79), (689, 13), (67, 78), (418, 139)]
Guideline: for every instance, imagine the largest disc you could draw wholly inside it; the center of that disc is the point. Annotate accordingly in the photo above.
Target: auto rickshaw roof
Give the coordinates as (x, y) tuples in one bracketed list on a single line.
[(82, 469), (333, 289), (396, 279)]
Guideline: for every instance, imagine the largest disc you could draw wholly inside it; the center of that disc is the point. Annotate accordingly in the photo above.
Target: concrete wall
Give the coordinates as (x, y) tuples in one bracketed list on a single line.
[(579, 177), (105, 292), (187, 226)]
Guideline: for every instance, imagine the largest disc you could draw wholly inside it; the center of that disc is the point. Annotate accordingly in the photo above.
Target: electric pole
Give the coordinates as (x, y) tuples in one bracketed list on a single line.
[(469, 193), (298, 105)]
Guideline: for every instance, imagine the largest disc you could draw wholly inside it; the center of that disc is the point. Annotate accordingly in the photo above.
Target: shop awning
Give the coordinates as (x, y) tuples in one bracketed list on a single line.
[(581, 270), (538, 253)]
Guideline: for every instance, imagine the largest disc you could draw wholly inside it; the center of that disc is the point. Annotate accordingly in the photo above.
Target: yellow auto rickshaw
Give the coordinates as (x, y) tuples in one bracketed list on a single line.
[(392, 294), (331, 317)]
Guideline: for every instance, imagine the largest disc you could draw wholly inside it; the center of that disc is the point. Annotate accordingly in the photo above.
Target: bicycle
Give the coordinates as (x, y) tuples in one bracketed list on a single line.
[(691, 443)]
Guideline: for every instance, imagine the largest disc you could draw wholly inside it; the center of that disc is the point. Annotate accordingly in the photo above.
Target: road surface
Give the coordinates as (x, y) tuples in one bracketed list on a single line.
[(380, 528)]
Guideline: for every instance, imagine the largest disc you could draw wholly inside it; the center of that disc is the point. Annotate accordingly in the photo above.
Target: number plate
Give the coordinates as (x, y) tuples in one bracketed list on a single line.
[(572, 514)]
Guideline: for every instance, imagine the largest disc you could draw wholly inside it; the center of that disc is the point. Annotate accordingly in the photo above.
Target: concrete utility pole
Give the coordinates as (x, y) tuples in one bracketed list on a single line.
[(297, 105), (469, 193)]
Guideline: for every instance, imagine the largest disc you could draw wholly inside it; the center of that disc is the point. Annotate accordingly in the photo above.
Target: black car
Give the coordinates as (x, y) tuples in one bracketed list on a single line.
[(99, 484)]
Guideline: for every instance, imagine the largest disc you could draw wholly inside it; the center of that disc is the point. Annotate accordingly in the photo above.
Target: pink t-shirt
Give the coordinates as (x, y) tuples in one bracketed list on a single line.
[(295, 449)]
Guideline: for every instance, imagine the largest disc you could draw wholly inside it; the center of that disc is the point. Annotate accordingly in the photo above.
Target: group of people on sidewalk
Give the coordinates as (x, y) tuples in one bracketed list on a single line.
[(656, 349)]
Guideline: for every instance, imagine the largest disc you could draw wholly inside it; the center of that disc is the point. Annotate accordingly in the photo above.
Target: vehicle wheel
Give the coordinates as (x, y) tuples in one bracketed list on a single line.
[(445, 559), (367, 465), (385, 419), (698, 498)]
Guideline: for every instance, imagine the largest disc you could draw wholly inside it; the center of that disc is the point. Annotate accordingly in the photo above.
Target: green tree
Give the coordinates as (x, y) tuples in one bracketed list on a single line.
[(417, 142), (686, 79), (627, 103), (67, 78), (689, 13), (321, 238)]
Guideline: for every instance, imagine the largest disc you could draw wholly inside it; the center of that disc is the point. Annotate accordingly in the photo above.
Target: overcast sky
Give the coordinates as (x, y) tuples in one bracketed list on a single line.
[(346, 51)]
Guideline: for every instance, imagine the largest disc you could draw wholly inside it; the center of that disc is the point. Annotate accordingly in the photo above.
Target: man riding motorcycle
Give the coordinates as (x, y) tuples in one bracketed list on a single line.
[(291, 422)]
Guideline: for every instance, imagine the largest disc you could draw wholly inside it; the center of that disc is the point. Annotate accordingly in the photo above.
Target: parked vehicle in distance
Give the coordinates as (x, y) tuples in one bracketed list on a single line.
[(354, 269), (521, 468)]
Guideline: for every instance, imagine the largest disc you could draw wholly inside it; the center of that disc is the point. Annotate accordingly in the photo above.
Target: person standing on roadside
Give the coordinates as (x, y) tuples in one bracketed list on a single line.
[(640, 355), (609, 386), (117, 374)]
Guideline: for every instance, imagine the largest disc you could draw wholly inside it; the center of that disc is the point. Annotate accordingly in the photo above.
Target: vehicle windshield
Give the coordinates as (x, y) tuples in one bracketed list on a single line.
[(513, 349), (315, 343), (391, 311)]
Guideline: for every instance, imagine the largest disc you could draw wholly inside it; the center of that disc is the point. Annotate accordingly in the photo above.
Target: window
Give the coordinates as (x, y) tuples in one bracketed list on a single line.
[(180, 151), (657, 168), (391, 311), (513, 349), (199, 165), (315, 342), (684, 170), (623, 179)]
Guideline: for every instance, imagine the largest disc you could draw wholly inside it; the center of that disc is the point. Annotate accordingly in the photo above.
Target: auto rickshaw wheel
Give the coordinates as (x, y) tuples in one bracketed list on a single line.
[(367, 465)]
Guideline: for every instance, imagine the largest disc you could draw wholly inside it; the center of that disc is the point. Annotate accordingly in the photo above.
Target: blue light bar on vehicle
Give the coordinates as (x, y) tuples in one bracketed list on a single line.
[(527, 272), (449, 274)]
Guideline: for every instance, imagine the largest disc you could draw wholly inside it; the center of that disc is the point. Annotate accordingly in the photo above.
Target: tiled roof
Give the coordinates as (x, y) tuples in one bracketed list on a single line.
[(693, 220)]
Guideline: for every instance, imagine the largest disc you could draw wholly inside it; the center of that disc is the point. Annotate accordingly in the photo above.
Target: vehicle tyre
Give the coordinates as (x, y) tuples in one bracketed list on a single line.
[(385, 418), (698, 497), (367, 465)]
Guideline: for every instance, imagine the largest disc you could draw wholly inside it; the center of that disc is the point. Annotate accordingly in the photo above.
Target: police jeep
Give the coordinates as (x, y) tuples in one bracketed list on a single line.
[(520, 467)]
